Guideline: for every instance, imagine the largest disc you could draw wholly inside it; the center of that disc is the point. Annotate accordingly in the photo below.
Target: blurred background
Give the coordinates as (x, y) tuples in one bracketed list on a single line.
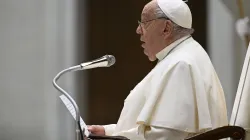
[(39, 38)]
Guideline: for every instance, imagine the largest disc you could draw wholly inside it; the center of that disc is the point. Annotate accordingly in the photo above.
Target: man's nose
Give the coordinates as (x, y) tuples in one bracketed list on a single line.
[(139, 30)]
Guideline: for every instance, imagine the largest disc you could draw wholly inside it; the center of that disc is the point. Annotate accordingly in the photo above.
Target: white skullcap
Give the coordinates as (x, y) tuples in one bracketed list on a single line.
[(177, 11)]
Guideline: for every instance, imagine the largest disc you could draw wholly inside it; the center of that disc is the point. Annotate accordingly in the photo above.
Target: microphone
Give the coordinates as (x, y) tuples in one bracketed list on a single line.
[(105, 61)]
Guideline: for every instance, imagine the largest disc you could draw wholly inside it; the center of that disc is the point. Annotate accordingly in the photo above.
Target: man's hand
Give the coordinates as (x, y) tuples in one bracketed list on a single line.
[(96, 129)]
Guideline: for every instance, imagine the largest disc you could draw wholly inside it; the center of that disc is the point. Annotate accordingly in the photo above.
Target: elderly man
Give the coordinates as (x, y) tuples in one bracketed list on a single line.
[(182, 95)]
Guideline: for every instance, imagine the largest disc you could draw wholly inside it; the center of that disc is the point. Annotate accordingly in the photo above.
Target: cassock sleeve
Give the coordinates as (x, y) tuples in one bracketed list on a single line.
[(152, 133), (157, 133), (109, 129), (177, 101)]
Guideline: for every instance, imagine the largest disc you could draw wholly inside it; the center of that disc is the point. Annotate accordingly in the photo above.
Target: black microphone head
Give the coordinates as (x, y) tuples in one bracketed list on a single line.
[(111, 60)]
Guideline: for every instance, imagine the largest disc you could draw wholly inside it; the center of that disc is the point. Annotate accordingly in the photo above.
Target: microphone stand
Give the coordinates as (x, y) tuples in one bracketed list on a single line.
[(77, 120), (105, 61)]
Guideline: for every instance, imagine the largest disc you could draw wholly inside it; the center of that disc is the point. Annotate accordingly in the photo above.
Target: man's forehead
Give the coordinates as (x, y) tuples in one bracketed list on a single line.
[(144, 14), (148, 10)]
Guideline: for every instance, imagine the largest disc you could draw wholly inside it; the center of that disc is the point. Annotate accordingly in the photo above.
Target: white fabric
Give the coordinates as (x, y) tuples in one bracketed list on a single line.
[(151, 133), (178, 11), (241, 110), (163, 53), (182, 93), (109, 129), (157, 133)]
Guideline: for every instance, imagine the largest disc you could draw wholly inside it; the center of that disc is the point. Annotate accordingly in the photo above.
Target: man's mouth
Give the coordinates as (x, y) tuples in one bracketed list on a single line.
[(143, 43)]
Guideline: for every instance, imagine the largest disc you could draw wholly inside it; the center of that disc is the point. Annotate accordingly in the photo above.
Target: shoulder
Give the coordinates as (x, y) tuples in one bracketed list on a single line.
[(181, 66), (171, 63), (173, 67)]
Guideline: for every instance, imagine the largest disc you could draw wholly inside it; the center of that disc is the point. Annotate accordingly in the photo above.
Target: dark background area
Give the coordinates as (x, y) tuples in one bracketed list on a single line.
[(111, 30)]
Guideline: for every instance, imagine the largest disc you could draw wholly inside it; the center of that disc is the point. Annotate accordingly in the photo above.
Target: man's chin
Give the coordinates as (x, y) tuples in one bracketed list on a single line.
[(152, 59)]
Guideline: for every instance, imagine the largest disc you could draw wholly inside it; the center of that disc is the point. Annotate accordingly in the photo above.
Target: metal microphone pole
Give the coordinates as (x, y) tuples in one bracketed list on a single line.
[(105, 61), (77, 121)]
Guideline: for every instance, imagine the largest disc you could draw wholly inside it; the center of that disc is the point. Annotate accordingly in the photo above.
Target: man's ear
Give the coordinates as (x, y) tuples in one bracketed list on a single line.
[(168, 28)]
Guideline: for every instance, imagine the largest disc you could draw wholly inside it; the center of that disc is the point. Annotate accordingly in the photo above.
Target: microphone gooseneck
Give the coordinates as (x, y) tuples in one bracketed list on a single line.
[(105, 61)]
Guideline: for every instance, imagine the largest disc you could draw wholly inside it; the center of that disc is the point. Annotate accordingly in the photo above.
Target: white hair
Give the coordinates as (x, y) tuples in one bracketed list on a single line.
[(178, 31)]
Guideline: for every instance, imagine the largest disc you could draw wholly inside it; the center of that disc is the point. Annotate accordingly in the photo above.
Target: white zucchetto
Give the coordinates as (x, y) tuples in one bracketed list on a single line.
[(177, 11)]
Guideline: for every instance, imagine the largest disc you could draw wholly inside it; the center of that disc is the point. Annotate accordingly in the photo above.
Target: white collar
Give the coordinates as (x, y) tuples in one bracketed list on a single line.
[(164, 52)]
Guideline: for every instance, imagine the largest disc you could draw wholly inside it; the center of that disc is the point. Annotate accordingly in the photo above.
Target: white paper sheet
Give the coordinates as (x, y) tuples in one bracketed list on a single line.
[(72, 111)]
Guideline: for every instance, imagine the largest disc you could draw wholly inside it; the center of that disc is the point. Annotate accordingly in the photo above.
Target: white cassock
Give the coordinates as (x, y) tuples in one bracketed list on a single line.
[(180, 97)]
